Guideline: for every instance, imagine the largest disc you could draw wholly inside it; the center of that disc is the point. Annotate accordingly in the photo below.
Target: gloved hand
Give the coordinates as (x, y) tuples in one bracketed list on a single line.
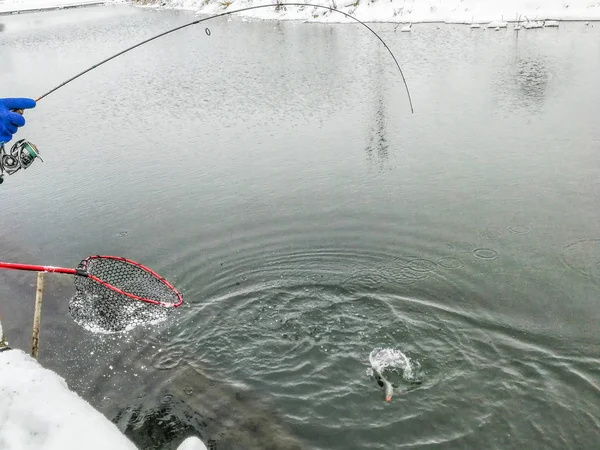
[(10, 121)]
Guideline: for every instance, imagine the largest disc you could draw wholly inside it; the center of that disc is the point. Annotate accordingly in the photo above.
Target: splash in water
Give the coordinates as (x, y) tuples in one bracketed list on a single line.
[(387, 363), (97, 315)]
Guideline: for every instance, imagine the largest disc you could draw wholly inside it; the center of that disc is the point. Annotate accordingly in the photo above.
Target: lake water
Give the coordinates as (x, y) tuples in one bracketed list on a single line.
[(274, 173)]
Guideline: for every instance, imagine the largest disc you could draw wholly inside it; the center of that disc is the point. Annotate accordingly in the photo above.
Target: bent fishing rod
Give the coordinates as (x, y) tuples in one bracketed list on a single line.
[(23, 153)]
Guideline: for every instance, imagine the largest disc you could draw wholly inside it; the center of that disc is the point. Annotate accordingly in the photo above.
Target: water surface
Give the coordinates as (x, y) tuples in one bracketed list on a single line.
[(274, 173)]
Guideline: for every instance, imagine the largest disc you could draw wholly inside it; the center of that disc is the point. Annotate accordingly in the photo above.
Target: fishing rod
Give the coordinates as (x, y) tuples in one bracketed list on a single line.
[(23, 153)]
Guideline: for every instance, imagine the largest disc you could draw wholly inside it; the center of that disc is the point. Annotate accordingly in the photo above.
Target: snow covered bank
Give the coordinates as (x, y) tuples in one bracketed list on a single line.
[(405, 11), (9, 6), (38, 411)]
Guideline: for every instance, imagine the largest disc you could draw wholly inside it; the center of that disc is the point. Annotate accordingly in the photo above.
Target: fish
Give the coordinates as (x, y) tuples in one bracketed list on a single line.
[(384, 384)]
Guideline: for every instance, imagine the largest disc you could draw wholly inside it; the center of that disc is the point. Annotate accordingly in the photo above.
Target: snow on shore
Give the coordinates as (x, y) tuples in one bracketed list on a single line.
[(405, 11), (31, 5), (39, 411)]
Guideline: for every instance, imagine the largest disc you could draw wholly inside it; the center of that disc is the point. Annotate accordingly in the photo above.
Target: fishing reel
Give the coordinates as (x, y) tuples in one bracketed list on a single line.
[(21, 156)]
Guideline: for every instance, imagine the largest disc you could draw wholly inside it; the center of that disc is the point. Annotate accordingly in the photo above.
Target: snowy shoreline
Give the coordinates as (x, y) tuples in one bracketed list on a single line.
[(466, 12), (8, 7), (477, 13)]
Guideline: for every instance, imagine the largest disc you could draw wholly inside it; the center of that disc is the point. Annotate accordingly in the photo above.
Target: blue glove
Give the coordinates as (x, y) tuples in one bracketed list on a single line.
[(10, 121)]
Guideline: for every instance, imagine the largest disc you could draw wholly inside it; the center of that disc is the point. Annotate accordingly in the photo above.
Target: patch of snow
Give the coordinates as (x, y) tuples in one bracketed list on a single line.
[(533, 24), (497, 24), (38, 411), (192, 443)]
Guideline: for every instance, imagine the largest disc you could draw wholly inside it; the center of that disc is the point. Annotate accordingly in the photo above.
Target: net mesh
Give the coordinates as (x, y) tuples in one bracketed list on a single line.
[(98, 308)]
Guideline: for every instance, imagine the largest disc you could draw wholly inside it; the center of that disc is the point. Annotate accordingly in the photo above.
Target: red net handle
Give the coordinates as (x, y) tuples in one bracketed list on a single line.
[(33, 268), (83, 273)]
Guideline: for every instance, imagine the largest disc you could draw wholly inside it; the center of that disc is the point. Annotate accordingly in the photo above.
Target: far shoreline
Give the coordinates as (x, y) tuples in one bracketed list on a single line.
[(161, 5), (53, 8), (209, 8)]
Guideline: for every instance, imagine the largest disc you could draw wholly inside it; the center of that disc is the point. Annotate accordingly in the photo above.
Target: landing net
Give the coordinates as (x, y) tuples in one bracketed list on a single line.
[(118, 294)]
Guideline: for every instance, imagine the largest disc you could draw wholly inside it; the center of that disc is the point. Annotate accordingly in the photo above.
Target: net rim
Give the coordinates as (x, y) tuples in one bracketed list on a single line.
[(84, 265)]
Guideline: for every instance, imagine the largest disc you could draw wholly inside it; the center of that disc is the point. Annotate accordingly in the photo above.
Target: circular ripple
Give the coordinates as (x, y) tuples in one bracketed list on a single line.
[(167, 360), (123, 234), (274, 334), (582, 256), (290, 359), (136, 417), (167, 398), (519, 229), (105, 402), (188, 390), (485, 253), (422, 265), (489, 233), (449, 262)]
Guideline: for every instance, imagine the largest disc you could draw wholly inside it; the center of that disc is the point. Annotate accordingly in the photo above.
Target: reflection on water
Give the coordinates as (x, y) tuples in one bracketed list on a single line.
[(526, 74), (532, 78), (377, 146)]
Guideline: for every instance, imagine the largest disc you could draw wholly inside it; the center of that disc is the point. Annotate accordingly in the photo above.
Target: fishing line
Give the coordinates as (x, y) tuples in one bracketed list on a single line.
[(207, 31), (23, 153)]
